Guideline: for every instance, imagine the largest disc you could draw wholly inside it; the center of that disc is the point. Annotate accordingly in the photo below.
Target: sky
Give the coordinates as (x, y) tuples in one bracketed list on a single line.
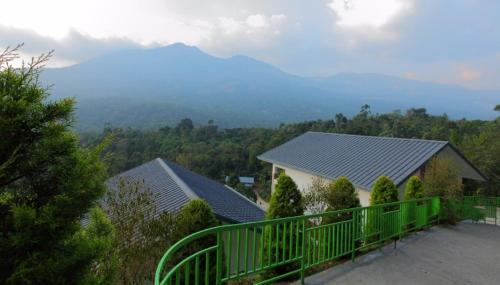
[(445, 41)]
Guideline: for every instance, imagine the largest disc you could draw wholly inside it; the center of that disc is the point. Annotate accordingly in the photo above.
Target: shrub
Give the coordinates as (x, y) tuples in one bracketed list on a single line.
[(442, 179), (193, 217), (383, 191), (341, 194), (286, 201), (414, 189)]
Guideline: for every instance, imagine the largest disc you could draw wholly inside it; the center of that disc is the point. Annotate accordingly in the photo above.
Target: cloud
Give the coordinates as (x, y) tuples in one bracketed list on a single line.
[(74, 47)]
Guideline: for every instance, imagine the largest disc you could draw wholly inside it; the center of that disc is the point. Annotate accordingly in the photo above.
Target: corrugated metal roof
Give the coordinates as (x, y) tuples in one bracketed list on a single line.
[(361, 158), (173, 186)]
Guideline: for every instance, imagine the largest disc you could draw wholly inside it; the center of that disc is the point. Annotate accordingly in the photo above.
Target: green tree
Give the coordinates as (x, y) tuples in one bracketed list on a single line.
[(47, 182), (341, 194), (193, 217), (286, 201), (383, 191), (414, 188), (142, 235), (442, 179), (100, 235)]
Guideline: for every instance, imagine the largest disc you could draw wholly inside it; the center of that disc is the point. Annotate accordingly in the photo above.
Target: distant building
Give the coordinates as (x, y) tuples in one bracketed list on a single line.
[(361, 158), (247, 181), (174, 186)]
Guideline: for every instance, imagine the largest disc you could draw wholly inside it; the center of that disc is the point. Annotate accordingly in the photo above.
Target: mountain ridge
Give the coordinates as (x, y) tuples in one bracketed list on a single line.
[(240, 90)]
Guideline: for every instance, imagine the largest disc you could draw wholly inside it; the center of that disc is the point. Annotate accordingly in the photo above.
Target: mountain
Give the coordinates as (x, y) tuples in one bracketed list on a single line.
[(153, 87)]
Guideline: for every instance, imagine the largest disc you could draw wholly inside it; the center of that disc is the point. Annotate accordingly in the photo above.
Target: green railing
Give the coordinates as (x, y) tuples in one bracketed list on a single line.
[(299, 243), (480, 208)]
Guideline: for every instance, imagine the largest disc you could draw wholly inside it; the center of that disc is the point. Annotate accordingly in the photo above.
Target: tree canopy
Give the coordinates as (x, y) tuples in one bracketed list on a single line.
[(47, 182)]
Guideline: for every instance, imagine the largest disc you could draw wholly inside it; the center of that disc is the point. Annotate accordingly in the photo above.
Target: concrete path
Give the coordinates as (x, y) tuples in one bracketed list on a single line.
[(464, 254)]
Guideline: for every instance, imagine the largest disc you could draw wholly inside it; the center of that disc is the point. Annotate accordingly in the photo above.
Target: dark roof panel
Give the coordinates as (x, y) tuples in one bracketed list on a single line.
[(173, 186), (361, 158), (224, 201)]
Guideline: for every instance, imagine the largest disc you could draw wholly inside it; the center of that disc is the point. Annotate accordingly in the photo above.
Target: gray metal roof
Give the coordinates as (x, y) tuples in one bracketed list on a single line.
[(173, 186), (361, 158)]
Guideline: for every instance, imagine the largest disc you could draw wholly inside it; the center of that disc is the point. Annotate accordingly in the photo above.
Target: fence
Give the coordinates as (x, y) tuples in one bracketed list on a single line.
[(295, 243), (477, 207)]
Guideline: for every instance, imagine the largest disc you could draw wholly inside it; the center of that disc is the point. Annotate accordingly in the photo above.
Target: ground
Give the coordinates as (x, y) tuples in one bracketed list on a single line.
[(468, 253)]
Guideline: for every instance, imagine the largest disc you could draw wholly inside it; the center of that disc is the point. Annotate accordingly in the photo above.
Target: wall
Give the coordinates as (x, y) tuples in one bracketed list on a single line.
[(304, 181)]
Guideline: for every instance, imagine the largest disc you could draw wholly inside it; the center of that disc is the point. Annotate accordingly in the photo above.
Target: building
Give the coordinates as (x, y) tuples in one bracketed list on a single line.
[(247, 181), (173, 186), (361, 158)]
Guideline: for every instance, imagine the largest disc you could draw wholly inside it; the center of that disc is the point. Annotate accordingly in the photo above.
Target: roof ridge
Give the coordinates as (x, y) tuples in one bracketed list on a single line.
[(378, 137), (184, 187)]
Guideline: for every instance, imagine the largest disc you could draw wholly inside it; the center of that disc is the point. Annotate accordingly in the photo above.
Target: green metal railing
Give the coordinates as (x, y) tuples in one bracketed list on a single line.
[(299, 243), (480, 208)]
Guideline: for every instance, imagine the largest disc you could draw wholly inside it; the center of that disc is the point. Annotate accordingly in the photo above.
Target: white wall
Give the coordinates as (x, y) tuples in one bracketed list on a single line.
[(304, 181)]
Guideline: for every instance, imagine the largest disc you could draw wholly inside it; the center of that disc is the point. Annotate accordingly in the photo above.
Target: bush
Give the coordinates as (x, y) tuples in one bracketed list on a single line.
[(383, 191), (286, 201), (414, 189), (341, 194), (442, 179), (193, 217)]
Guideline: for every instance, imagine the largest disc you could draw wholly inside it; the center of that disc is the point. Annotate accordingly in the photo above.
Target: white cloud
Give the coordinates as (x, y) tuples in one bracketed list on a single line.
[(367, 13)]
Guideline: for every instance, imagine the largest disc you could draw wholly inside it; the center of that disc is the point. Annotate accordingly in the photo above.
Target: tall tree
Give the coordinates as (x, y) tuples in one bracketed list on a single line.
[(47, 181)]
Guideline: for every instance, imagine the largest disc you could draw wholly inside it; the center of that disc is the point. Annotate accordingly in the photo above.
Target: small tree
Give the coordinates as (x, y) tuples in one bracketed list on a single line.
[(141, 235), (315, 196), (286, 201), (414, 189), (442, 179), (193, 217), (341, 194), (383, 191)]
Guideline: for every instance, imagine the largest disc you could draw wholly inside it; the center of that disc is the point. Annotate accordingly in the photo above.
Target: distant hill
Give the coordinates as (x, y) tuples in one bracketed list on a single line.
[(154, 87)]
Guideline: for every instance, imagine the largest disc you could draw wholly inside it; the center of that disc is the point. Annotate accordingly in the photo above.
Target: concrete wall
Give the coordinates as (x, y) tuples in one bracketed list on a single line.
[(465, 170)]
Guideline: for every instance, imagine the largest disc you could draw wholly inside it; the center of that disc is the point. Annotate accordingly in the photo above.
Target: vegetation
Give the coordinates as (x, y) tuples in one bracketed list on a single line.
[(47, 184), (441, 179), (286, 201), (218, 153), (414, 188), (383, 191), (337, 195), (142, 236), (193, 217), (341, 195)]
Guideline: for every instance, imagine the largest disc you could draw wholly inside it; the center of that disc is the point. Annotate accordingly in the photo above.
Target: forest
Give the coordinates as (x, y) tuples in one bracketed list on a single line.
[(218, 153)]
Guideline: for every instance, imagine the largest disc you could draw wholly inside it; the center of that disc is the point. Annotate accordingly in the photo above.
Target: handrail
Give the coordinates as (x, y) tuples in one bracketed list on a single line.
[(297, 243)]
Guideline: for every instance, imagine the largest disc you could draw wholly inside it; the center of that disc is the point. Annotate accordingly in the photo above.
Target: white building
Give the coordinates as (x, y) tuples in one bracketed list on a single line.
[(362, 159)]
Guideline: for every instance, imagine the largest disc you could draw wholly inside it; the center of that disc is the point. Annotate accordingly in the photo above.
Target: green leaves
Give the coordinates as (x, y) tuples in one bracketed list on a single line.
[(414, 188), (383, 191)]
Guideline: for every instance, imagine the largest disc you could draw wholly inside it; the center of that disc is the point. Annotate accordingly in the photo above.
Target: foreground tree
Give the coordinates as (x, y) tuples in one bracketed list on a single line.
[(383, 191), (286, 201), (47, 182), (414, 188)]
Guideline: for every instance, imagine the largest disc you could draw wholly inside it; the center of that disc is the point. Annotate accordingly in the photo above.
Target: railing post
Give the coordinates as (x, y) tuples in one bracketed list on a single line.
[(218, 277), (353, 235), (303, 259)]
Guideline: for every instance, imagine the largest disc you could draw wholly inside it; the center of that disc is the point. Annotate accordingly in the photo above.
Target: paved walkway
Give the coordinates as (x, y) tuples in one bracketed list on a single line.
[(464, 254)]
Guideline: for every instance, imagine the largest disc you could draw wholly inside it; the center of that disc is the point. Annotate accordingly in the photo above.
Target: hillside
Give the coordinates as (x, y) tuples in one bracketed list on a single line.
[(148, 88)]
